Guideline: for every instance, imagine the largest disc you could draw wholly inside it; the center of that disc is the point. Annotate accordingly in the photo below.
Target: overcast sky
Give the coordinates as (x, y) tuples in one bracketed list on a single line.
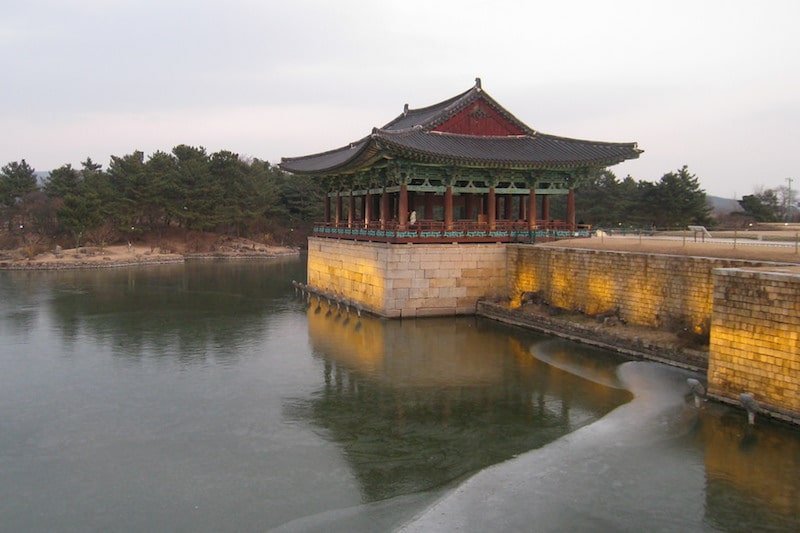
[(714, 85)]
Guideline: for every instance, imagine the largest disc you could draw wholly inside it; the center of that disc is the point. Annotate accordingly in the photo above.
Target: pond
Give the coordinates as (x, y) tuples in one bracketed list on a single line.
[(209, 396)]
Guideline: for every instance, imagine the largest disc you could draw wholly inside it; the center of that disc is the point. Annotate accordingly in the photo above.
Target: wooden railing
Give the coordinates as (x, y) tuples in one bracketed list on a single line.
[(435, 231)]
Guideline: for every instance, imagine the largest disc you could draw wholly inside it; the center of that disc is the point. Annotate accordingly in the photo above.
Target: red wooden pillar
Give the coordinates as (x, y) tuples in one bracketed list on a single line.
[(327, 209), (338, 207), (532, 210), (351, 209), (402, 209), (492, 201), (571, 209), (384, 208), (508, 204), (448, 208), (367, 207), (546, 207)]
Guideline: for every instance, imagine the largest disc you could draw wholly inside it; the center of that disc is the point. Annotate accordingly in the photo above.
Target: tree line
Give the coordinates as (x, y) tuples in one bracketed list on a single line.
[(186, 188), (221, 192), (770, 205), (673, 202)]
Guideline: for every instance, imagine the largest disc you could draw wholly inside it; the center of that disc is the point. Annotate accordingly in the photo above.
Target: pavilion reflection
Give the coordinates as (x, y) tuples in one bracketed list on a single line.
[(416, 404)]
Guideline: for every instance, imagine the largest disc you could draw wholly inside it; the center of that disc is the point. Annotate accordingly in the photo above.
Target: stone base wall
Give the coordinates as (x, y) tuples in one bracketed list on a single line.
[(755, 338), (750, 310), (654, 290), (408, 280)]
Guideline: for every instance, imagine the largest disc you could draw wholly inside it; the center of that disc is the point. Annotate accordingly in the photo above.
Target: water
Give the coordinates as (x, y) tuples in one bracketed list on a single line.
[(208, 397)]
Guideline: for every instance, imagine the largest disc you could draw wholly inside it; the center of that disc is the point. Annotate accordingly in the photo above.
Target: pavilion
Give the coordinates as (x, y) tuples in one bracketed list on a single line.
[(462, 170)]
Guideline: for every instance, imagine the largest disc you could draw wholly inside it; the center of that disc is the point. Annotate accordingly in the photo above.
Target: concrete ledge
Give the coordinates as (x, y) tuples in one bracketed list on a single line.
[(639, 348)]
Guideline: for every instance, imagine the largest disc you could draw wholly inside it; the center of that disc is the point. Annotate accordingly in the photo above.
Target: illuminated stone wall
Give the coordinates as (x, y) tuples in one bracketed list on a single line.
[(647, 289), (750, 310), (755, 337), (408, 280)]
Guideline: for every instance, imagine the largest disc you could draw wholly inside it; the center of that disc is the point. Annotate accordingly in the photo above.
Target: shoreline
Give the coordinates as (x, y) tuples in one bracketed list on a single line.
[(114, 258)]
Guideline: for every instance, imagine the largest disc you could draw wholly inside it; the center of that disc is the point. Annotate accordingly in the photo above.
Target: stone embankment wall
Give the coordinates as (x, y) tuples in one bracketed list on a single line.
[(755, 338), (660, 291), (412, 280), (750, 310)]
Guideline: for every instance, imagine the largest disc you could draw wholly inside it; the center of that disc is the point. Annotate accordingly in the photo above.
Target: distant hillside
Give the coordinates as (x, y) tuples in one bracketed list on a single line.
[(723, 206)]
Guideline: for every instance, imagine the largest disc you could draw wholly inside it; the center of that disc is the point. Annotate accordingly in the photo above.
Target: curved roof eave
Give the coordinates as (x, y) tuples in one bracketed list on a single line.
[(330, 161), (532, 152)]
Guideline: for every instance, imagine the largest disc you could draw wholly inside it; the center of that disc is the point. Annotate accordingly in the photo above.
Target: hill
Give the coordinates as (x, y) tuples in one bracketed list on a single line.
[(722, 206)]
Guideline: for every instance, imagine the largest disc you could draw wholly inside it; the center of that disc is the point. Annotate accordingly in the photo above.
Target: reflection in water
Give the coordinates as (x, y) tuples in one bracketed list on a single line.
[(195, 311), (742, 472), (208, 397), (416, 404)]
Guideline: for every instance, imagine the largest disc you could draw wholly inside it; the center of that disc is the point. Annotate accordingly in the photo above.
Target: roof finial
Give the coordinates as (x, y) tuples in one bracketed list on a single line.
[(477, 83), (405, 110)]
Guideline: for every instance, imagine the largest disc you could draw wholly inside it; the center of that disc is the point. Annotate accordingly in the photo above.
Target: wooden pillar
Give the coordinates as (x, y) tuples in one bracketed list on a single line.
[(468, 207), (402, 208), (492, 201), (532, 210), (384, 208), (338, 207), (448, 208), (367, 211), (546, 207), (327, 208), (508, 204), (351, 209), (571, 209), (522, 211)]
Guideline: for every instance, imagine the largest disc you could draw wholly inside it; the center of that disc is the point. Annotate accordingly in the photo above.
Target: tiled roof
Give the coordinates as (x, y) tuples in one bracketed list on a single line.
[(532, 151), (410, 136), (423, 116)]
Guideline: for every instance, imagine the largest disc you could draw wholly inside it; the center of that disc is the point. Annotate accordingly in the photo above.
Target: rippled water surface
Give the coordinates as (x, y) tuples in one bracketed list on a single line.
[(210, 397)]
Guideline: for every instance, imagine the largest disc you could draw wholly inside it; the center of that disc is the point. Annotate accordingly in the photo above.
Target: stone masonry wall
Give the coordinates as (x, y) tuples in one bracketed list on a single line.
[(654, 290), (755, 337), (750, 310), (408, 280)]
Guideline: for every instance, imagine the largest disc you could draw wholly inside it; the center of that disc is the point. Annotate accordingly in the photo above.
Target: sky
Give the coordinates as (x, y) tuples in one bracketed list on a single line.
[(714, 85)]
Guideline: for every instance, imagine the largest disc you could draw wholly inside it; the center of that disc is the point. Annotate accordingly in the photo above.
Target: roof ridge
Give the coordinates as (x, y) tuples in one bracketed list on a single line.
[(444, 104)]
